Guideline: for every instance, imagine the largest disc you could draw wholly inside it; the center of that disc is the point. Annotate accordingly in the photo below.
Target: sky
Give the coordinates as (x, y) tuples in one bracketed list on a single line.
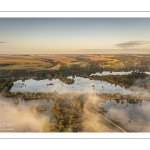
[(74, 35)]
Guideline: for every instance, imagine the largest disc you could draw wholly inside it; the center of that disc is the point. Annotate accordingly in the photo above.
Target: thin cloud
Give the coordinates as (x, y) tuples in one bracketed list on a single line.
[(131, 44), (2, 43)]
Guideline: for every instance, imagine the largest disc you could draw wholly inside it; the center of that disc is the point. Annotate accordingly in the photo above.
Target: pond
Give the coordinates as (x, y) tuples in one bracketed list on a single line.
[(81, 85), (134, 116), (104, 73)]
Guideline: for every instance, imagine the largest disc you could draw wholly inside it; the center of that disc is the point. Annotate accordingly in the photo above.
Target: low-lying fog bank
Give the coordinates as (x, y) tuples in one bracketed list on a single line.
[(21, 118)]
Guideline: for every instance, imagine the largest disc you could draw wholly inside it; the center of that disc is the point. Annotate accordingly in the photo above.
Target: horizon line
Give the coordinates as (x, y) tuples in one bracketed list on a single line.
[(83, 54)]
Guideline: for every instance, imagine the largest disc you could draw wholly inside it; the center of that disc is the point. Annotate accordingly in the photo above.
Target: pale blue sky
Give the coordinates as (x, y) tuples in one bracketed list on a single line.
[(74, 35)]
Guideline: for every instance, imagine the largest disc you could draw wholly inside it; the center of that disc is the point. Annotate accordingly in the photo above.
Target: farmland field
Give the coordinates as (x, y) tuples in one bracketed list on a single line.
[(44, 62)]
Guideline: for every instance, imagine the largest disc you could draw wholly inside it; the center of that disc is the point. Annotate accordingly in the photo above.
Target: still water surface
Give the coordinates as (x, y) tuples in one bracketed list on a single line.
[(81, 85), (104, 73)]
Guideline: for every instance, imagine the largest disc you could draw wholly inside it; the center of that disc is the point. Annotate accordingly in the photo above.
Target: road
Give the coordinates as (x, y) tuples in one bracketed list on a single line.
[(108, 120)]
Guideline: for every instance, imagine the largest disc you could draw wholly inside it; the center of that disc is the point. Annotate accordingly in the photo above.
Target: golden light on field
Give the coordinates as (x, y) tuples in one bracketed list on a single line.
[(99, 58), (58, 58), (20, 59)]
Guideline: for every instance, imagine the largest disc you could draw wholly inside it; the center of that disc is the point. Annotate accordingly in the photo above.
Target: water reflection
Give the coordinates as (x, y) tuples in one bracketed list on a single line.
[(81, 85), (114, 73), (134, 115)]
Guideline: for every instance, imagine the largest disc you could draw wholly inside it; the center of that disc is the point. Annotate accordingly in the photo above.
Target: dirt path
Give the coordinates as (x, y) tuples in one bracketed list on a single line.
[(108, 120)]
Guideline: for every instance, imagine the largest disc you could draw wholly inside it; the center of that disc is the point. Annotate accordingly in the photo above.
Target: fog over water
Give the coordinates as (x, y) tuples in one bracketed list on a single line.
[(23, 117), (135, 116)]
